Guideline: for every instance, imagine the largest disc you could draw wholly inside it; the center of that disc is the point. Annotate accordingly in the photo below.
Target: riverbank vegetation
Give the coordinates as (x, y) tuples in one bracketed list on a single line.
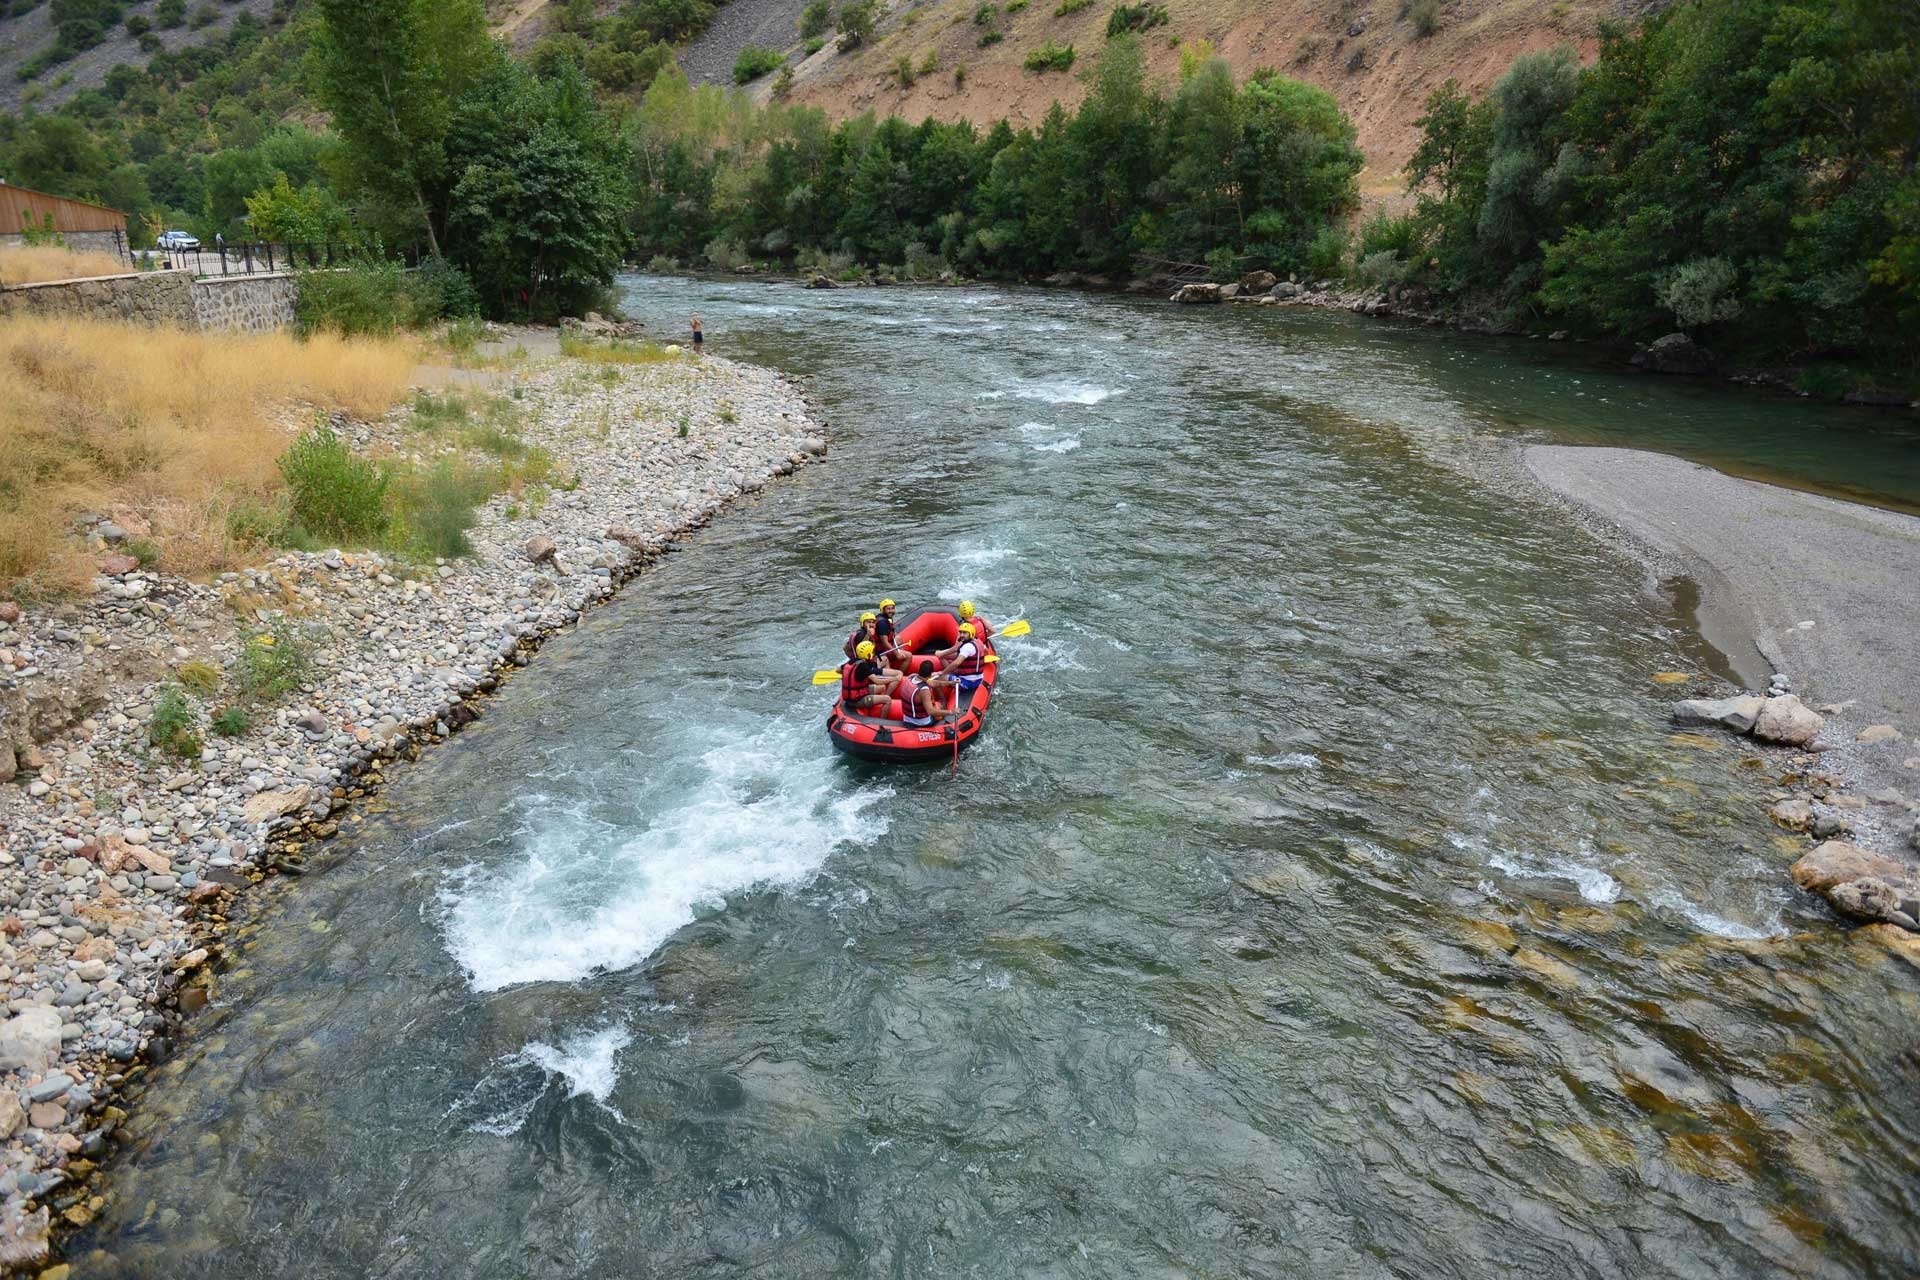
[(1214, 171), (100, 416), (1741, 170)]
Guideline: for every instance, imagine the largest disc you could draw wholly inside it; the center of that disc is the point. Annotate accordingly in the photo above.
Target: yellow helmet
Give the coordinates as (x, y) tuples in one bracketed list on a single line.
[(863, 650), (886, 604), (966, 629), (868, 617), (966, 609)]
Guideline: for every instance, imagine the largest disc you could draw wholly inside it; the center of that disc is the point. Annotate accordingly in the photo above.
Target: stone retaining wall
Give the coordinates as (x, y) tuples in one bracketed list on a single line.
[(245, 304), (152, 298), (235, 304)]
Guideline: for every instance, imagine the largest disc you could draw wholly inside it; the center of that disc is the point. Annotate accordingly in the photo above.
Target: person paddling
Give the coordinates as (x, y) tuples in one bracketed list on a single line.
[(919, 705), (865, 685), (965, 664)]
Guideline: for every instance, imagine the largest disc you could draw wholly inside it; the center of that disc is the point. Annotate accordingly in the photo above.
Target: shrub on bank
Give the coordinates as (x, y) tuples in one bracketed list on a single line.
[(334, 493)]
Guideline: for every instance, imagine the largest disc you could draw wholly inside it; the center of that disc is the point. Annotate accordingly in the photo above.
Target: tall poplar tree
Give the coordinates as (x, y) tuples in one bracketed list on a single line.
[(390, 72)]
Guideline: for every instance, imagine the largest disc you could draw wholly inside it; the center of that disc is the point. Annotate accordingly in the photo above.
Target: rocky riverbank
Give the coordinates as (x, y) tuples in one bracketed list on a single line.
[(121, 858), (1816, 587)]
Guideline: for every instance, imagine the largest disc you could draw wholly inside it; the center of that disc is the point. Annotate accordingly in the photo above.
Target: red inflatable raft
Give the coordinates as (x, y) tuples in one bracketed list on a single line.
[(870, 735)]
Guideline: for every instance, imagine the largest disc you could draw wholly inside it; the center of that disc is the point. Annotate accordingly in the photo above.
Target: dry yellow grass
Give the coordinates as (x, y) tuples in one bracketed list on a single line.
[(31, 265), (170, 428)]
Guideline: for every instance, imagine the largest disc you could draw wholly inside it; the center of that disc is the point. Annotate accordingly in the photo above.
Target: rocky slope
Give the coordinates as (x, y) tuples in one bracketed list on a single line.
[(1367, 53)]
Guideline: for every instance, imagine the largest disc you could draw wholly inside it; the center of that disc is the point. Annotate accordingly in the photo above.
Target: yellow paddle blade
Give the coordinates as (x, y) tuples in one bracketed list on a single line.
[(826, 677), (992, 657), (1013, 629)]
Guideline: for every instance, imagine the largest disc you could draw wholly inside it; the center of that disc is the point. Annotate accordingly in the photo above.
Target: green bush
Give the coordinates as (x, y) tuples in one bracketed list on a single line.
[(231, 721), (1050, 57), (857, 19), (334, 493), (1071, 6), (438, 506), (815, 45), (273, 664), (1327, 252), (991, 36), (170, 728), (1136, 17), (1384, 233), (205, 16), (755, 62), (816, 19), (986, 15), (1425, 15), (441, 290), (366, 298), (170, 13), (903, 71), (137, 25)]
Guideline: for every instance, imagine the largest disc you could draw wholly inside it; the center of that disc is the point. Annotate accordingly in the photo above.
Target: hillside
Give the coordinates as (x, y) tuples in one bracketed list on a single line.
[(1366, 52), (24, 35)]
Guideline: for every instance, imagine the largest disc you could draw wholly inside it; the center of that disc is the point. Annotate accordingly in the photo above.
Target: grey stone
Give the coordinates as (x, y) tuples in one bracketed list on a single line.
[(1787, 720), (1737, 713), (1675, 353), (54, 1086)]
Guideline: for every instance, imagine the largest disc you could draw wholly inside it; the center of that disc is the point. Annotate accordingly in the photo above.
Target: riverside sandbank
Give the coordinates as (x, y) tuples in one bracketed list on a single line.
[(1825, 591)]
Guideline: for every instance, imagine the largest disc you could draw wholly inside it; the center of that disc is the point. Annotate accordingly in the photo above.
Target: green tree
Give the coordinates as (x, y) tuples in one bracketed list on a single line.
[(391, 71), (536, 217)]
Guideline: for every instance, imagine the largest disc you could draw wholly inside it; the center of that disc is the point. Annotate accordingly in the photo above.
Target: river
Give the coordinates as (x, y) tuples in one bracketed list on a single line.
[(1327, 896)]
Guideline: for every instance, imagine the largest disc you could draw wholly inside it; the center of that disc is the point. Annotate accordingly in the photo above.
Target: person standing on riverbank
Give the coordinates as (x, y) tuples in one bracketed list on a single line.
[(699, 334)]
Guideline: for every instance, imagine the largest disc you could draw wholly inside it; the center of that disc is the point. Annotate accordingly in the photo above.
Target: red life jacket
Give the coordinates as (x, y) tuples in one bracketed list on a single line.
[(976, 663), (859, 634), (910, 690), (853, 686)]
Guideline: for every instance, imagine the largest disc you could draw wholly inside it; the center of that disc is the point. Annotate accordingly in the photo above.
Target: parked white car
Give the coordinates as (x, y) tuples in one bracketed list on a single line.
[(177, 240)]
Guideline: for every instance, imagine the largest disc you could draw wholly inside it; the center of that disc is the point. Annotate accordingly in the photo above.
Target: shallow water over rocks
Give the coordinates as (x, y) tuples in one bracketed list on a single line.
[(1328, 896)]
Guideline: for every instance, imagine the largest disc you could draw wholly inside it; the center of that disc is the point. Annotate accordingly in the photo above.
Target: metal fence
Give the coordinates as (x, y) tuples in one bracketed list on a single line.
[(242, 258)]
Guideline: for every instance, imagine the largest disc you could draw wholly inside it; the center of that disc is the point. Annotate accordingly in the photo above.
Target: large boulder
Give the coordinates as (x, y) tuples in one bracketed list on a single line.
[(1736, 713), (1788, 720), (1861, 883), (1284, 290), (1675, 353), (1838, 861), (540, 549), (1257, 281), (30, 1040), (1191, 293)]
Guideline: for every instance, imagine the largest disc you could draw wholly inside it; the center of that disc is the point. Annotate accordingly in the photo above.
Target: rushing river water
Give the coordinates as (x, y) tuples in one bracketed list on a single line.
[(1326, 898)]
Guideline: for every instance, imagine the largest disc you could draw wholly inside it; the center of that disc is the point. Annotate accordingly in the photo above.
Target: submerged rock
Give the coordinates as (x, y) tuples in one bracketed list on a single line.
[(1675, 353)]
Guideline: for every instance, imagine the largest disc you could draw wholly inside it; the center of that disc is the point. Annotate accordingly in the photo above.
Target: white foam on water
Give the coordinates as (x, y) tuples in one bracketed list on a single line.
[(588, 1064), (1054, 391), (982, 555), (1293, 760), (1066, 444), (1707, 922), (1594, 884), (579, 899)]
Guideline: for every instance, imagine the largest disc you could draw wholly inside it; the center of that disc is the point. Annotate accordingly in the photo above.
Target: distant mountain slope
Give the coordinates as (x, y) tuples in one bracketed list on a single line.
[(1368, 53), (23, 36)]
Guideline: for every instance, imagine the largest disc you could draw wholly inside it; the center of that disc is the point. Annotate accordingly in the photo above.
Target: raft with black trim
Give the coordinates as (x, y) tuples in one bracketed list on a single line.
[(870, 735)]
